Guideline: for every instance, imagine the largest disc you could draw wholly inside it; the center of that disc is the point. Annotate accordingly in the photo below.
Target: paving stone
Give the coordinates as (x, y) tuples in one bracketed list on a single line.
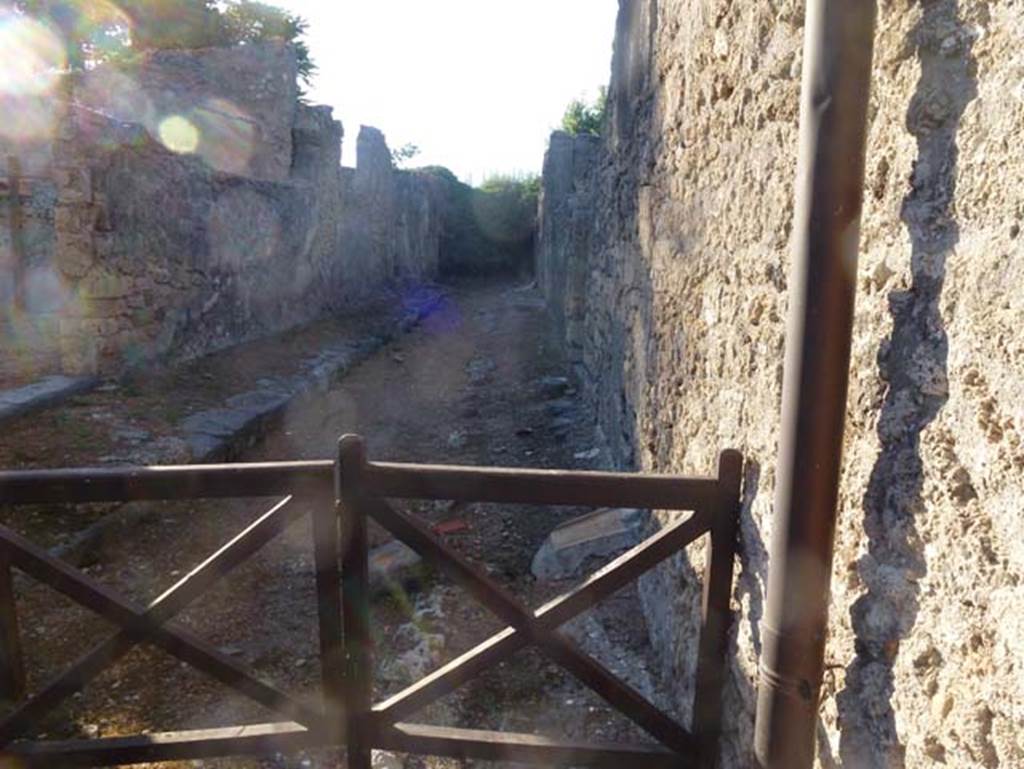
[(42, 394), (551, 387), (560, 407), (479, 369), (394, 565), (599, 534)]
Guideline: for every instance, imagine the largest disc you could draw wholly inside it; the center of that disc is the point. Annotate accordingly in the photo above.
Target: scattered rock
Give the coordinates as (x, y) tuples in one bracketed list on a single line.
[(453, 526), (131, 434), (562, 424), (42, 394), (551, 387), (560, 407), (590, 634), (598, 534), (394, 566), (422, 658), (479, 369), (382, 759)]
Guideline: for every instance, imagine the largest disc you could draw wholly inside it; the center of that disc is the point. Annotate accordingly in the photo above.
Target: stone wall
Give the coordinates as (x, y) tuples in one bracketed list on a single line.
[(196, 204), (27, 326), (685, 295), (236, 105), (394, 219), (563, 231)]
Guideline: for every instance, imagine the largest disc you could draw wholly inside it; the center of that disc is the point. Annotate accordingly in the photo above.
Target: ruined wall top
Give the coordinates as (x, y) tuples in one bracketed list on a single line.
[(372, 153), (235, 107)]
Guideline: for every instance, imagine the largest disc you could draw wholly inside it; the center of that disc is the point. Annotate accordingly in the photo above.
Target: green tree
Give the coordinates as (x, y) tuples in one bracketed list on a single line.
[(247, 21), (163, 24), (583, 118), (403, 154), (95, 35)]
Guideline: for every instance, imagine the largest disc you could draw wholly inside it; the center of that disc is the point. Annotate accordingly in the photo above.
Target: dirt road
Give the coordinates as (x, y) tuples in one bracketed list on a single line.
[(466, 387)]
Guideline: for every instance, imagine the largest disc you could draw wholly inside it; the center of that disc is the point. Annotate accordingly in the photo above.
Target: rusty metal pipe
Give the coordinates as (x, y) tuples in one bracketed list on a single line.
[(838, 45)]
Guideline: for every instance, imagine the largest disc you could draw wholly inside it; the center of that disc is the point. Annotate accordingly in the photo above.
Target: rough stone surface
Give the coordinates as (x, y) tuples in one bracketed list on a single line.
[(393, 566), (683, 332), (38, 395), (242, 102), (598, 534), (161, 248), (563, 230)]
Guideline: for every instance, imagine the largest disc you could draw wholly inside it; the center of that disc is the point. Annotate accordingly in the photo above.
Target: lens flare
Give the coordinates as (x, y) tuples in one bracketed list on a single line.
[(228, 136), (27, 119), (179, 134), (112, 92), (103, 25), (32, 56)]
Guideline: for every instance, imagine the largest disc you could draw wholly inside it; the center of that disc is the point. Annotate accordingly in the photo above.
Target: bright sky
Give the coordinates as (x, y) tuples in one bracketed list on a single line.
[(477, 84)]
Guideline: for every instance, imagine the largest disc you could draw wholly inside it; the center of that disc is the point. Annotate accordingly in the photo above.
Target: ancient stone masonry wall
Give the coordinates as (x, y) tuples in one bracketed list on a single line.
[(27, 281), (393, 220), (196, 204), (563, 231), (685, 298)]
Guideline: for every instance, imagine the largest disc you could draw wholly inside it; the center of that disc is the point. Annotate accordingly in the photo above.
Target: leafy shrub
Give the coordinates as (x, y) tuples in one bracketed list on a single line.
[(490, 228), (583, 118), (95, 35)]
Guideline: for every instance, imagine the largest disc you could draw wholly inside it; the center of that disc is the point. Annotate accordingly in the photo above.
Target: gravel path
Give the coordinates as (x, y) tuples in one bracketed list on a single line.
[(466, 387)]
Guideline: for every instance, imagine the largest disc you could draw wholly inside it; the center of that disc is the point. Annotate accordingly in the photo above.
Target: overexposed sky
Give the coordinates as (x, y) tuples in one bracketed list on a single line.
[(477, 84)]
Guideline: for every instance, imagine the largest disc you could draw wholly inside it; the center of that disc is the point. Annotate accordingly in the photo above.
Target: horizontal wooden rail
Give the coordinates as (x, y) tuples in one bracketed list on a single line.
[(537, 487), (255, 739), (125, 484), (523, 748), (385, 479)]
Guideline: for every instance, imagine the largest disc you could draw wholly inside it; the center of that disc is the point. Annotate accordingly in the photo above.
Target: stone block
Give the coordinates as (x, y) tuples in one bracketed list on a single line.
[(79, 349), (394, 566), (599, 534), (103, 284), (42, 394), (74, 184), (75, 254)]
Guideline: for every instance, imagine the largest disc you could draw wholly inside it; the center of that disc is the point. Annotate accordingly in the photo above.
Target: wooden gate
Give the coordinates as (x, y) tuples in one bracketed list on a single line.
[(343, 496)]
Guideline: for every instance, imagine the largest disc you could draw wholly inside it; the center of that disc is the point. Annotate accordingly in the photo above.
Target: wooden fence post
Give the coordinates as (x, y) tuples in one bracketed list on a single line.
[(355, 601), (12, 666), (716, 615), (328, 598)]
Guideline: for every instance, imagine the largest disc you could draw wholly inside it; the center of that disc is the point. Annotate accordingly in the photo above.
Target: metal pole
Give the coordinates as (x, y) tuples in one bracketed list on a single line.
[(838, 43)]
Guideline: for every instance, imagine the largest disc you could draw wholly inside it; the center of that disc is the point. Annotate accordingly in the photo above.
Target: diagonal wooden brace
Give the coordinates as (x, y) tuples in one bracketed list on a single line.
[(603, 583), (145, 624), (556, 646)]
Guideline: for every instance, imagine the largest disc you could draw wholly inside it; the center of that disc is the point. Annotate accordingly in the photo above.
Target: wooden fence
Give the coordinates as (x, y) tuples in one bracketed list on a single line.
[(343, 496)]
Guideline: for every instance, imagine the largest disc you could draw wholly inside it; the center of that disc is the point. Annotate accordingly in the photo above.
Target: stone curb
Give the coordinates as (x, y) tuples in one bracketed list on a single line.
[(217, 435), (42, 394)]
